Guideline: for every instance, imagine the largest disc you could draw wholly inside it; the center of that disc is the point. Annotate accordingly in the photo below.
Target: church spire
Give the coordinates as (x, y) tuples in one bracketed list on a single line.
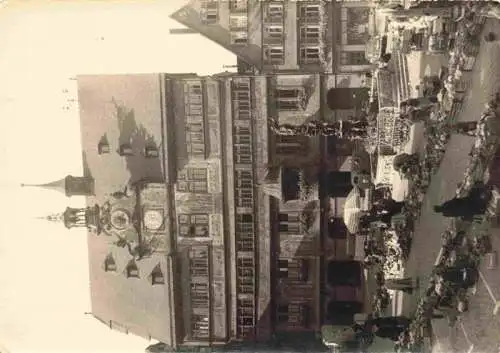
[(70, 186)]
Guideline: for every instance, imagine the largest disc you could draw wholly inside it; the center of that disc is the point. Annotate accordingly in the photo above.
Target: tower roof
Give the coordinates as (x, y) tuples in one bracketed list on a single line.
[(70, 185), (58, 185)]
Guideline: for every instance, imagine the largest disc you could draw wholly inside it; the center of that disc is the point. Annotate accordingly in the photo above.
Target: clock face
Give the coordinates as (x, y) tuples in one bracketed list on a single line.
[(153, 219), (120, 219)]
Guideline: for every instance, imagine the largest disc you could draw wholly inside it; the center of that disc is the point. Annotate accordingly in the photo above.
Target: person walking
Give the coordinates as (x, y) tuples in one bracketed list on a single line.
[(390, 327), (467, 128), (466, 207), (389, 205)]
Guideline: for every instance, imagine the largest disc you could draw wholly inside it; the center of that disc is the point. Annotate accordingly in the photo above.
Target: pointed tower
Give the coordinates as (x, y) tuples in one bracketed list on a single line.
[(77, 217), (70, 186)]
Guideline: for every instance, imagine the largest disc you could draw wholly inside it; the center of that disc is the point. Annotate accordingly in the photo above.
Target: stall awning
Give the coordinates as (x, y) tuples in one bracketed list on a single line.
[(385, 87)]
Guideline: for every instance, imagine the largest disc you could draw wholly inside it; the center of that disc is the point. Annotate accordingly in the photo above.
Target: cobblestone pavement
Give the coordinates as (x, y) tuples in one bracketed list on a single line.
[(479, 330)]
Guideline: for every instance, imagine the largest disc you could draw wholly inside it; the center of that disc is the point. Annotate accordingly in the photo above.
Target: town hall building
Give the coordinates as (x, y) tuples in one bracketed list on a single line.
[(204, 228)]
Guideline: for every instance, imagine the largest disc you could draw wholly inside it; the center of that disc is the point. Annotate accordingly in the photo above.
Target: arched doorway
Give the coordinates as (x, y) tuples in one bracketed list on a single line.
[(344, 273), (337, 228), (339, 184), (346, 98), (342, 312)]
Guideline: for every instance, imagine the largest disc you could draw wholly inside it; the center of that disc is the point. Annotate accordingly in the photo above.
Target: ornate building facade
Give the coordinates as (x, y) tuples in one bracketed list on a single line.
[(203, 227), (282, 36)]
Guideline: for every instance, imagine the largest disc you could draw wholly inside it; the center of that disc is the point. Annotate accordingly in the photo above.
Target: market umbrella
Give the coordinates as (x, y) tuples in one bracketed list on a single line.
[(352, 210)]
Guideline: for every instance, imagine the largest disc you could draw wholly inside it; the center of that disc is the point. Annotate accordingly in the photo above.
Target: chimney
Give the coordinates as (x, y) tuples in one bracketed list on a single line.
[(182, 31)]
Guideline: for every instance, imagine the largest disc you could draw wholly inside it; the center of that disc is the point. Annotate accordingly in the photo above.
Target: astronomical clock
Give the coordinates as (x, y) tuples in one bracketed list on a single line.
[(136, 218)]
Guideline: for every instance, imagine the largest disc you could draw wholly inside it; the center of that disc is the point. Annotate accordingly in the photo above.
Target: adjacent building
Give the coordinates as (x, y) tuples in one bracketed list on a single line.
[(204, 228), (281, 35), (292, 37)]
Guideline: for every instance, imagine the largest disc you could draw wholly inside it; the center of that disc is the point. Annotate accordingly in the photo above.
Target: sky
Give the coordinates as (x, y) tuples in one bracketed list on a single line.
[(44, 289)]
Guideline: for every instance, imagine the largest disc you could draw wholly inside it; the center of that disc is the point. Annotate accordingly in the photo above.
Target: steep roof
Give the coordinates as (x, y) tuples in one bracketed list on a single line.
[(125, 109), (189, 16)]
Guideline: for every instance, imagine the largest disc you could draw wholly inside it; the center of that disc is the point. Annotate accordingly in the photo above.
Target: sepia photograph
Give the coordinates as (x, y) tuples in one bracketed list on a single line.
[(250, 176)]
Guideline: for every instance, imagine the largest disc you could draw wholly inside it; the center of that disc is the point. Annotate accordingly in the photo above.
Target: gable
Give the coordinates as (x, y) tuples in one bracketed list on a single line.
[(218, 31)]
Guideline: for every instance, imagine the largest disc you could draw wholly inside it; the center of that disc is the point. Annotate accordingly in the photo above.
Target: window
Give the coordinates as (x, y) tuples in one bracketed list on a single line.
[(274, 12), (238, 5), (283, 268), (199, 295), (290, 223), (245, 315), (238, 21), (246, 267), (290, 99), (193, 180), (103, 149), (309, 35), (195, 109), (200, 326), (245, 307), (241, 84), (157, 276), (196, 99), (209, 11), (245, 287), (353, 58), (195, 90), (275, 31), (239, 38), (198, 262), (151, 151), (103, 145), (109, 264), (274, 55), (291, 145), (244, 223), (241, 99), (132, 270), (195, 139), (244, 188), (243, 154), (242, 145), (126, 150), (292, 313), (245, 242), (309, 12), (293, 269), (193, 225), (242, 135), (246, 275), (310, 55), (241, 95)]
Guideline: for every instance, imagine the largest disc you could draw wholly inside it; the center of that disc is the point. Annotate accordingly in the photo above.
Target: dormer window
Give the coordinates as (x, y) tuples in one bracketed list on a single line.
[(126, 150), (109, 264), (157, 276), (103, 145), (132, 270), (239, 38), (151, 151)]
